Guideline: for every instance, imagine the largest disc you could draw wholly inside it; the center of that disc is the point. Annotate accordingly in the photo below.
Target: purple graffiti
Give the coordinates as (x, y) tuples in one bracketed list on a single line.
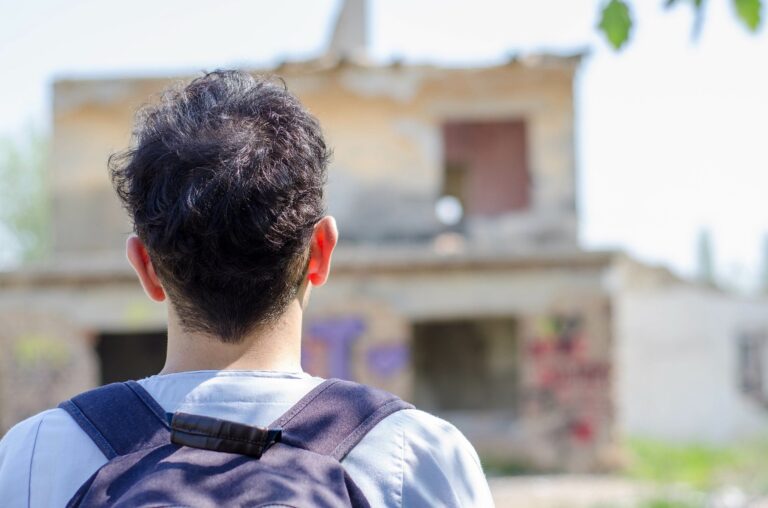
[(338, 335), (388, 359)]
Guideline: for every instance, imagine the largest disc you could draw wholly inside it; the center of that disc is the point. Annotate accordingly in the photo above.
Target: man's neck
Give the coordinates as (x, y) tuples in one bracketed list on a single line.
[(276, 347)]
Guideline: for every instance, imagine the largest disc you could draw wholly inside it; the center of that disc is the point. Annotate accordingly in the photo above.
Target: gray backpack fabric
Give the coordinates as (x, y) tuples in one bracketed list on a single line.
[(162, 460)]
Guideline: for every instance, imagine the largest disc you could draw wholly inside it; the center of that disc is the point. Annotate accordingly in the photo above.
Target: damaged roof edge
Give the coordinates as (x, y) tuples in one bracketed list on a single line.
[(327, 63), (73, 92)]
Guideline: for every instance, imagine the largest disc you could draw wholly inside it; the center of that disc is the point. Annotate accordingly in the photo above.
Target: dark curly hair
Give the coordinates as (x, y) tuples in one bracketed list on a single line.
[(224, 184)]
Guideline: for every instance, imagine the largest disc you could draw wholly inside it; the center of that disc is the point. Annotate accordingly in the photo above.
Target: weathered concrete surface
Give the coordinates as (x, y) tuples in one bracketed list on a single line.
[(385, 126), (592, 491), (44, 358), (602, 350), (360, 326), (566, 491), (680, 362)]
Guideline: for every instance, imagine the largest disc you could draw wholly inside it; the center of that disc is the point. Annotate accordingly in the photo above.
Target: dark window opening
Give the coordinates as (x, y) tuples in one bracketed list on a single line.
[(753, 353), (455, 181), (124, 356), (486, 166), (468, 364)]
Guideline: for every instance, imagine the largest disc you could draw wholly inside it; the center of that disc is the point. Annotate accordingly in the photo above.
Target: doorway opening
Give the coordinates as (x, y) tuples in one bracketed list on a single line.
[(466, 364), (124, 356)]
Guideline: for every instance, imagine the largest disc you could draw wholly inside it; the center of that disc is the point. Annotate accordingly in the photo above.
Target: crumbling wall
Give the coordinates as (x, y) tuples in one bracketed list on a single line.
[(385, 127), (50, 322), (362, 340), (568, 409), (45, 358), (559, 413), (682, 361)]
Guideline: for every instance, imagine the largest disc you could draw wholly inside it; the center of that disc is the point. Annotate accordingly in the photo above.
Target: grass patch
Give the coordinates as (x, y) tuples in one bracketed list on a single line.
[(695, 465), (496, 467), (699, 466), (668, 503)]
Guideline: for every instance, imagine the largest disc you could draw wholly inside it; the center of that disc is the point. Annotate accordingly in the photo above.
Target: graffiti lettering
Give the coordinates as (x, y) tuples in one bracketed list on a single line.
[(331, 340)]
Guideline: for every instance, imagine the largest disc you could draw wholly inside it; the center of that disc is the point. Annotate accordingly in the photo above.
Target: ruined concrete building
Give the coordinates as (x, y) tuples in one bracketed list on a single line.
[(459, 282)]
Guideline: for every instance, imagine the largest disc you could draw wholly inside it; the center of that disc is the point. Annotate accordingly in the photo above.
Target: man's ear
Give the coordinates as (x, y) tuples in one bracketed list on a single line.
[(323, 242), (142, 265)]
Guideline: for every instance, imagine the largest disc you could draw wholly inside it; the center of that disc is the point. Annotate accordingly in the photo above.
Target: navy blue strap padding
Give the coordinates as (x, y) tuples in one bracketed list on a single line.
[(335, 416), (121, 418)]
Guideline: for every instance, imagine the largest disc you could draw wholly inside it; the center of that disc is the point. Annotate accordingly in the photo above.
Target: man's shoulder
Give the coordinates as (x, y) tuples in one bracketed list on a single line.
[(40, 434), (414, 458), (18, 443), (420, 419), (25, 432), (44, 458), (417, 422), (424, 432)]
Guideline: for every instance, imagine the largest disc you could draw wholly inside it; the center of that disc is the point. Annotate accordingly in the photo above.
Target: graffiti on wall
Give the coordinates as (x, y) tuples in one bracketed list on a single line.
[(328, 346), (387, 360), (565, 378), (337, 347)]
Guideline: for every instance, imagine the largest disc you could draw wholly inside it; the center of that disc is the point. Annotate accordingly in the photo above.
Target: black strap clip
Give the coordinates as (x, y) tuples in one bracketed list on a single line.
[(221, 435)]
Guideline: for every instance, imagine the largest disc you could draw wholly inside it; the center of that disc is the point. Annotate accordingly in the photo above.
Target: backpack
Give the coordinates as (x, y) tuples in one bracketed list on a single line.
[(162, 460)]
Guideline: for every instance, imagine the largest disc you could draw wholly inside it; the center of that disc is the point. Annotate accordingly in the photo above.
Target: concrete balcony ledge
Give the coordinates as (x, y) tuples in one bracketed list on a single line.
[(112, 267)]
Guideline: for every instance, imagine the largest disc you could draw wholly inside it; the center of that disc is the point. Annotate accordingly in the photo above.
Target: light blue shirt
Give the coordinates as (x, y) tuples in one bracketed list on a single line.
[(410, 459)]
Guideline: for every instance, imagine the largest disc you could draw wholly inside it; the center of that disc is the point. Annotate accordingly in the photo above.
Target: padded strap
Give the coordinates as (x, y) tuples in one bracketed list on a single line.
[(121, 418), (335, 416)]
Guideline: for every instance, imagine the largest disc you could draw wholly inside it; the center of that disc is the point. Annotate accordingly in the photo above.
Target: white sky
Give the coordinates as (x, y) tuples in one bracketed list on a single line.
[(671, 132)]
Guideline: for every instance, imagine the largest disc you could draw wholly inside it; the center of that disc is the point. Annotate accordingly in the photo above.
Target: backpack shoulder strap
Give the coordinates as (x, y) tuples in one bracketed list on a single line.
[(120, 418), (335, 416)]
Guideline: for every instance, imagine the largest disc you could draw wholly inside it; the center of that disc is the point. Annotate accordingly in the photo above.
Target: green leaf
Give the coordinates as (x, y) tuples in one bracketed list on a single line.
[(749, 11), (616, 23)]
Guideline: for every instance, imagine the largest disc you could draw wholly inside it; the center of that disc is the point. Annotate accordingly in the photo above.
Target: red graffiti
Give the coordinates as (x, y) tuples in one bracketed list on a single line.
[(564, 378), (581, 431)]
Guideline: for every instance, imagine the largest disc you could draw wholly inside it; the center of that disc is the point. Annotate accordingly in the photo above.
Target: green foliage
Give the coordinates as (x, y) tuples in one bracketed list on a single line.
[(749, 469), (699, 466), (749, 11), (24, 195), (36, 349), (493, 466), (616, 22), (616, 17), (695, 465), (668, 503)]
